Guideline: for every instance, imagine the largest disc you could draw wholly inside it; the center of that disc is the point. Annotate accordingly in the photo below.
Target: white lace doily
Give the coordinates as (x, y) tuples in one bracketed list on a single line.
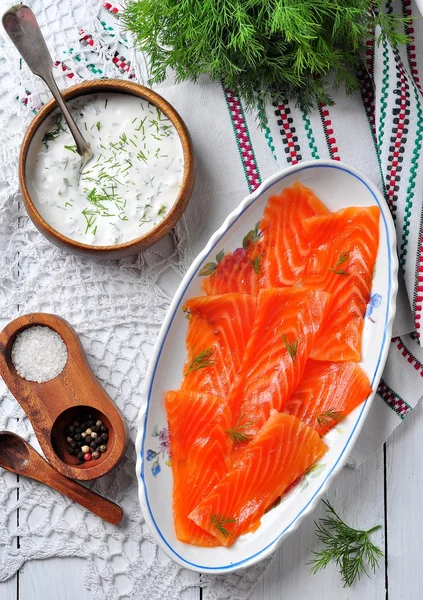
[(117, 307)]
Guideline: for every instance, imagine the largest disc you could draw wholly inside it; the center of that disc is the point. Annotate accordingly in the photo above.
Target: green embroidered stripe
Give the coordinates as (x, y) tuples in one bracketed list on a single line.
[(265, 127), (310, 136), (372, 133), (383, 100), (412, 181)]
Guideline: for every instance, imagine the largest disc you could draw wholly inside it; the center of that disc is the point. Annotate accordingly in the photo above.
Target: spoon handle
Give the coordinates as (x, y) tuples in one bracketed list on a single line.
[(22, 28), (103, 508), (100, 506)]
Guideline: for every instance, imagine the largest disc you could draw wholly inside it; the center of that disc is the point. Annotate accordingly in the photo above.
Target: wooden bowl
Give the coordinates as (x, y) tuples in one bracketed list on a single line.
[(52, 405), (154, 235)]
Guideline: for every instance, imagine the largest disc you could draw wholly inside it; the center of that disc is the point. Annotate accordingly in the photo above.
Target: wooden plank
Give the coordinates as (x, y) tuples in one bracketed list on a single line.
[(53, 578), (9, 589), (404, 461), (63, 578), (358, 496)]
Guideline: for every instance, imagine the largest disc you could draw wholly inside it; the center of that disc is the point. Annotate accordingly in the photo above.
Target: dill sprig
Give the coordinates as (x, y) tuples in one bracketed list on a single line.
[(256, 264), (219, 523), (292, 347), (343, 257), (52, 134), (350, 549), (260, 48), (237, 435), (202, 360), (330, 416)]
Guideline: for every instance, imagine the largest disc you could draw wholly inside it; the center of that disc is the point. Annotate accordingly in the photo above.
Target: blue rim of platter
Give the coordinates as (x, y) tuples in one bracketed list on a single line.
[(213, 242)]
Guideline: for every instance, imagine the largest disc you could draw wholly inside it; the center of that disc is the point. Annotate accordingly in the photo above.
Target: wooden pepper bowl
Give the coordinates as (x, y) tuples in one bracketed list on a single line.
[(154, 235), (51, 406)]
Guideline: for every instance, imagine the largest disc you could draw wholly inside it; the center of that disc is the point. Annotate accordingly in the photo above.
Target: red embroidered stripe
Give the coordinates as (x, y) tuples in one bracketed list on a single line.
[(287, 131), (418, 291), (400, 114), (368, 98), (112, 9), (392, 399), (118, 60), (408, 355), (64, 68), (242, 134), (328, 130), (411, 55)]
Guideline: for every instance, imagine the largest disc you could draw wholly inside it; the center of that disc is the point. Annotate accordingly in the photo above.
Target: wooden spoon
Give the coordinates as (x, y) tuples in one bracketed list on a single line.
[(19, 457)]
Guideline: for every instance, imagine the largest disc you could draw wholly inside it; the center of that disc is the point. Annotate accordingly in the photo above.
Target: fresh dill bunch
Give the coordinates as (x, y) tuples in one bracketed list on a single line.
[(350, 549), (263, 49)]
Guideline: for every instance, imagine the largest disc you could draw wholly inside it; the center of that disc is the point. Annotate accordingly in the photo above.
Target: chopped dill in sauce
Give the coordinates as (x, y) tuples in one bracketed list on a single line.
[(128, 187)]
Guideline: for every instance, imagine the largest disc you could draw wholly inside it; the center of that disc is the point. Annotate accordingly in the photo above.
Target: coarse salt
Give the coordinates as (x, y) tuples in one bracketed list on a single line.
[(39, 354)]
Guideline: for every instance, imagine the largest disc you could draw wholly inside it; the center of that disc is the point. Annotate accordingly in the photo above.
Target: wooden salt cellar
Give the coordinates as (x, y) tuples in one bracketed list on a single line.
[(51, 406)]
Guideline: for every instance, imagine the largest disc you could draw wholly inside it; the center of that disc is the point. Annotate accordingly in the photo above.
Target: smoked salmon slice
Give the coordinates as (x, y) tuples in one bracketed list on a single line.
[(283, 336), (283, 450), (283, 244), (341, 262), (208, 366), (327, 393), (232, 272), (200, 454), (230, 317)]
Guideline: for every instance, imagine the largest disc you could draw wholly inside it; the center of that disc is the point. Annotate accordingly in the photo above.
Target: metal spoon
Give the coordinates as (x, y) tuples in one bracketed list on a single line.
[(22, 28), (17, 456)]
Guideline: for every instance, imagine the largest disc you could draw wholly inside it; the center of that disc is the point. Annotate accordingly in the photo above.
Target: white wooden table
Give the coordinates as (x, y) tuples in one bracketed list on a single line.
[(388, 489)]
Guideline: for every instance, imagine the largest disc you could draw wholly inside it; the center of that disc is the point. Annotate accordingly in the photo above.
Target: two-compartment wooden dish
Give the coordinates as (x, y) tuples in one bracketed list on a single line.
[(51, 406)]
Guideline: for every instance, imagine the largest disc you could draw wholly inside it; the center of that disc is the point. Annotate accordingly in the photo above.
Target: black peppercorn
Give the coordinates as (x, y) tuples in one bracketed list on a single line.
[(78, 438)]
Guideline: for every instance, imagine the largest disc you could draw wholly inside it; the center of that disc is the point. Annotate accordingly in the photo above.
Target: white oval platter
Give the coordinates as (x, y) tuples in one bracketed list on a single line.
[(338, 186)]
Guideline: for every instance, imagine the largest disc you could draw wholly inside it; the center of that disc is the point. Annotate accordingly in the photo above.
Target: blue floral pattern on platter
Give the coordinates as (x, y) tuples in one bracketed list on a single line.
[(161, 452), (374, 302)]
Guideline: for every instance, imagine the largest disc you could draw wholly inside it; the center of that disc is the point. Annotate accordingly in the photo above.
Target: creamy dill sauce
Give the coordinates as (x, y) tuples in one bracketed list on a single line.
[(126, 189)]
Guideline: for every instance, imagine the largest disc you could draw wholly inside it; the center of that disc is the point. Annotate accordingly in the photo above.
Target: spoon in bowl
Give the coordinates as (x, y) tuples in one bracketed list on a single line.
[(17, 456), (22, 28)]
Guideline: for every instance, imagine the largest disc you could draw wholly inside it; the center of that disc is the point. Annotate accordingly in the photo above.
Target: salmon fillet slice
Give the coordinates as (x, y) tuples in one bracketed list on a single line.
[(341, 262), (283, 336), (200, 455), (283, 450), (230, 317), (327, 393)]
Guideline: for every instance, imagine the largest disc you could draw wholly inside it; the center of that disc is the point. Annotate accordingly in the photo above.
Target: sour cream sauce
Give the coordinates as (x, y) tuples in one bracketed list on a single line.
[(126, 189)]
